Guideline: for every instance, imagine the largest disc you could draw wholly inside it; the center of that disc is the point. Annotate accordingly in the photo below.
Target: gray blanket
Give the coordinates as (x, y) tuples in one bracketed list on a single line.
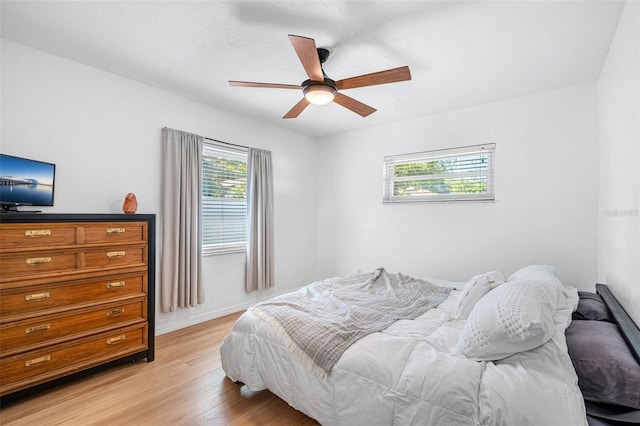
[(320, 321)]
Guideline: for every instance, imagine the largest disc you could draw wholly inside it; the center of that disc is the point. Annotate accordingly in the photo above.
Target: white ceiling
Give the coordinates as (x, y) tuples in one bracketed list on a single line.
[(460, 53)]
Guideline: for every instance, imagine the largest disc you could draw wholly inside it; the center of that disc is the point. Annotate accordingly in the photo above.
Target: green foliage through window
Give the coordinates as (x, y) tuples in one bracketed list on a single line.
[(224, 178)]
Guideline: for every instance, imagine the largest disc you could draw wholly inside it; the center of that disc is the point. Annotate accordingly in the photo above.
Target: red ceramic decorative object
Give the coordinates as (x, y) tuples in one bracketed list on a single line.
[(130, 204)]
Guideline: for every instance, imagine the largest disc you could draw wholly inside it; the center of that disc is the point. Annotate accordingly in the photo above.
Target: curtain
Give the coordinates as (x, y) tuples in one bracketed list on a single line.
[(259, 220), (181, 269)]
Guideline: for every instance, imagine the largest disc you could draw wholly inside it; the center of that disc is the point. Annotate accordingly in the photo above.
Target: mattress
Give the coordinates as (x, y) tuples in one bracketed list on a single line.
[(408, 374)]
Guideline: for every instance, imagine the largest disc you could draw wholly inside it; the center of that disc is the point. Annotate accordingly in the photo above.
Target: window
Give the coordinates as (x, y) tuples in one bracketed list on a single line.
[(458, 174), (224, 199)]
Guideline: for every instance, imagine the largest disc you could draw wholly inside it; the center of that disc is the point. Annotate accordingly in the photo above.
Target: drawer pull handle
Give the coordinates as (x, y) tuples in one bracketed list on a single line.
[(115, 340), (38, 260), (38, 296), (115, 312), (37, 233), (116, 284), (37, 361), (115, 254), (114, 231), (35, 328)]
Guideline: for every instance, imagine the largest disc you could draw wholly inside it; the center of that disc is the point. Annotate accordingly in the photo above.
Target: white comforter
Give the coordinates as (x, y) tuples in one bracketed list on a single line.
[(406, 375)]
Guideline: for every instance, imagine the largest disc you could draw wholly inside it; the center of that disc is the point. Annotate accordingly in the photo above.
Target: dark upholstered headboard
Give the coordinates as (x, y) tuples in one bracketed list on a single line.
[(628, 328)]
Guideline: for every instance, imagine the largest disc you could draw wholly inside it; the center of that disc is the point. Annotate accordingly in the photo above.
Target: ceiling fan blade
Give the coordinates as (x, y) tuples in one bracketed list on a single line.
[(355, 106), (263, 85), (297, 108), (380, 77), (308, 54)]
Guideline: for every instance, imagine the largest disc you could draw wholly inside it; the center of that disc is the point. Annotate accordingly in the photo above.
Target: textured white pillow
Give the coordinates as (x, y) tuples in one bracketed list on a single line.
[(476, 287), (537, 273), (514, 317)]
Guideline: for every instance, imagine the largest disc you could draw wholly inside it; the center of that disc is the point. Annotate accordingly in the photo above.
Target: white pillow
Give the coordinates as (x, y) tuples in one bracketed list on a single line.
[(536, 272), (514, 317), (476, 287)]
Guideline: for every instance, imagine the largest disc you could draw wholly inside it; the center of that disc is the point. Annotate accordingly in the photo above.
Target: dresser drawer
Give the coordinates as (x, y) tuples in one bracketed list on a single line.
[(34, 299), (50, 329), (17, 236), (115, 256), (34, 263), (116, 232), (29, 368), (37, 262)]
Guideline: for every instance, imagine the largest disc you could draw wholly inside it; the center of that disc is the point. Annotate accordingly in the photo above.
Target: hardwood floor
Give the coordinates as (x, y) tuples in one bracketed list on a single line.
[(185, 385)]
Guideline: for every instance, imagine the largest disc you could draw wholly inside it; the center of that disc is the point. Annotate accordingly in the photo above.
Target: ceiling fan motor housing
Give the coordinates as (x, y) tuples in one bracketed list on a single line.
[(327, 82)]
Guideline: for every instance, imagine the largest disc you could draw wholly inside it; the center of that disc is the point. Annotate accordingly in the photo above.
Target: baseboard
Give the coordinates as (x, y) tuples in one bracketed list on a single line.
[(210, 315)]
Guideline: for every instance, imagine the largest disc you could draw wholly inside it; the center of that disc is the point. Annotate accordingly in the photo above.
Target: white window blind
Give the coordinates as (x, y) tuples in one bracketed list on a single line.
[(224, 199), (457, 174)]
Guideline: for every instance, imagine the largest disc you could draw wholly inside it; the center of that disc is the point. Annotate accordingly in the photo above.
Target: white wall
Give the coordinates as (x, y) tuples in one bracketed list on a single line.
[(104, 134), (546, 193), (619, 230)]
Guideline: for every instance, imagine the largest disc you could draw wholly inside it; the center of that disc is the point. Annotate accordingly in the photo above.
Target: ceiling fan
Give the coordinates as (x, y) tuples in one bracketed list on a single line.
[(319, 89)]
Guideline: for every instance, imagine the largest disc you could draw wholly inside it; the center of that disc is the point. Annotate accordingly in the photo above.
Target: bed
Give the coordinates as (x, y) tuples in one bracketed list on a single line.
[(488, 351)]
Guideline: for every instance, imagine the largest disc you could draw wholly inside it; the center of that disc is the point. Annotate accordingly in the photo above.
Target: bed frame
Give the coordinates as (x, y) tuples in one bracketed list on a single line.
[(631, 334), (628, 328)]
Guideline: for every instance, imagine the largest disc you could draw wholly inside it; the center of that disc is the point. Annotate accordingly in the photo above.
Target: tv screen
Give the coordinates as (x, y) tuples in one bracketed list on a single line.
[(25, 182)]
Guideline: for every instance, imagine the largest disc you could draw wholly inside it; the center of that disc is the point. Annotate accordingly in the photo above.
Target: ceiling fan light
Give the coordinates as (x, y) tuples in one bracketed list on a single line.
[(319, 94)]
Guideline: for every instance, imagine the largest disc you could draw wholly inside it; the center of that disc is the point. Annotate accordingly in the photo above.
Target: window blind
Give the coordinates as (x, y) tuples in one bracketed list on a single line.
[(456, 174), (224, 199)]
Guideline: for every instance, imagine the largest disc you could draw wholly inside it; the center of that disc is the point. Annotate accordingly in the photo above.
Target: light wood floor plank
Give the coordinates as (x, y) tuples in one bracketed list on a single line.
[(184, 385)]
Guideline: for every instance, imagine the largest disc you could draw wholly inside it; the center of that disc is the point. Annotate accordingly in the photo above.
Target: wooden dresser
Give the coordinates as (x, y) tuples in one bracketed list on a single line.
[(76, 294)]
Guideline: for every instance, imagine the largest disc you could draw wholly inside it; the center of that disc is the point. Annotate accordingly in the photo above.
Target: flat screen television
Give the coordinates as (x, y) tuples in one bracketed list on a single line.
[(25, 182)]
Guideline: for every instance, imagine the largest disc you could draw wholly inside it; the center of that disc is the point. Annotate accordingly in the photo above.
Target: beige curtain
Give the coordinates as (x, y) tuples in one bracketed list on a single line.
[(181, 268), (259, 220)]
